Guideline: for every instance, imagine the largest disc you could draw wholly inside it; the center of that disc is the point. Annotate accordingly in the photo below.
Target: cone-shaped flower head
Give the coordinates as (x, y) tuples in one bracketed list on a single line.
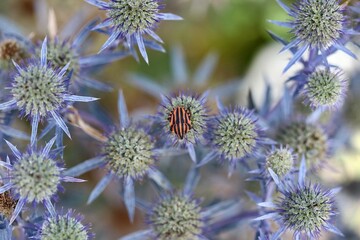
[(129, 152), (316, 25), (235, 134), (303, 208), (306, 139), (325, 89), (280, 160), (40, 91), (176, 217), (34, 177), (64, 227), (184, 117), (131, 20)]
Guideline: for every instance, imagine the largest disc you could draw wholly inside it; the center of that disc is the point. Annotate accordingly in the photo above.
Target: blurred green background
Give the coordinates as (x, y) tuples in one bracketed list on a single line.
[(234, 29)]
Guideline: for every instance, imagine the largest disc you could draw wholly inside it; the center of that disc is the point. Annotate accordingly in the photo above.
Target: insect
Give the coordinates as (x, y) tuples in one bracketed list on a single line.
[(180, 122)]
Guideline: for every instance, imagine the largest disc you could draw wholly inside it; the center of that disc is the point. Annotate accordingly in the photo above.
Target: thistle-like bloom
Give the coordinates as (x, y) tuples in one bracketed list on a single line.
[(235, 134), (184, 118), (34, 177), (61, 52), (39, 91), (131, 21), (316, 25), (167, 222), (176, 215), (280, 160), (128, 153), (305, 209), (64, 227), (325, 90), (306, 139)]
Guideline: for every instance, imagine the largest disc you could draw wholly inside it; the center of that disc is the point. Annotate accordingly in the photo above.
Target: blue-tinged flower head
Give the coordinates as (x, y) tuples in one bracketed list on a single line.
[(132, 21), (176, 216), (64, 227), (61, 51), (184, 117), (325, 90), (235, 134), (303, 208), (316, 25), (306, 139), (40, 91), (280, 160), (34, 177), (129, 152)]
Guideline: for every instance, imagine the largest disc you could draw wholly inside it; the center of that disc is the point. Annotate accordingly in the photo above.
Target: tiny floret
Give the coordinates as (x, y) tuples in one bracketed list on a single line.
[(280, 160), (306, 139), (38, 90), (325, 89), (129, 152), (176, 217), (64, 227), (35, 177), (184, 117)]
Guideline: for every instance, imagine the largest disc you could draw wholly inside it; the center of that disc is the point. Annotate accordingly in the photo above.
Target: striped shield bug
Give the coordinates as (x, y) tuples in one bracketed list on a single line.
[(180, 123)]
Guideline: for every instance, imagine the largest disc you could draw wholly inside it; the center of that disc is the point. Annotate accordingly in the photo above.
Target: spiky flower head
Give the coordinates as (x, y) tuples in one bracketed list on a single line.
[(306, 139), (184, 117), (129, 152), (64, 227), (318, 23), (303, 208), (34, 177), (306, 209), (325, 89), (235, 134), (176, 217), (131, 20), (7, 204), (280, 160), (38, 91)]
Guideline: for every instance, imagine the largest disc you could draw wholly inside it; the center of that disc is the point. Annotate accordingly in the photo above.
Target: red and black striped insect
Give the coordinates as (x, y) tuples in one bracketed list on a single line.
[(180, 122)]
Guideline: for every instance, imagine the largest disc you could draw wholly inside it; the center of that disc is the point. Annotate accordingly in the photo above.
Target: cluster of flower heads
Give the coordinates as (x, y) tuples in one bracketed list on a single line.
[(275, 146)]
